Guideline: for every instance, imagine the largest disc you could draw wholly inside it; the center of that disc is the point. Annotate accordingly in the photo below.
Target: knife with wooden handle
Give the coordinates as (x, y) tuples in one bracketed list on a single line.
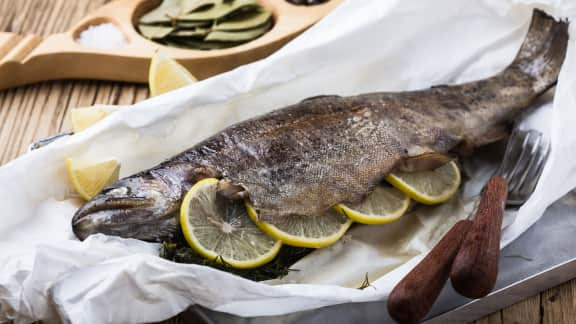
[(413, 297), (475, 267)]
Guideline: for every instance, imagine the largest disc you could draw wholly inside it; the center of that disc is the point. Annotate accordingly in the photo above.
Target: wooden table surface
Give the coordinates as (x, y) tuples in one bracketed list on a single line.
[(32, 112)]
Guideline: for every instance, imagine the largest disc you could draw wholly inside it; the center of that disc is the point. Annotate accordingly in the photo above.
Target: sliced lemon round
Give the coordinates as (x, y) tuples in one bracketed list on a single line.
[(382, 206), (220, 229), (166, 74), (305, 231), (89, 178), (82, 118), (428, 187)]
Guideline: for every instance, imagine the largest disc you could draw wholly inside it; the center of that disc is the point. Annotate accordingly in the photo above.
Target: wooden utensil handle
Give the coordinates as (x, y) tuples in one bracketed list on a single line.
[(413, 297), (475, 268)]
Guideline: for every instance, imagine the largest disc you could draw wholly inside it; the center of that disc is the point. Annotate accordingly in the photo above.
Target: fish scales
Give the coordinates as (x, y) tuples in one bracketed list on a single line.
[(306, 158)]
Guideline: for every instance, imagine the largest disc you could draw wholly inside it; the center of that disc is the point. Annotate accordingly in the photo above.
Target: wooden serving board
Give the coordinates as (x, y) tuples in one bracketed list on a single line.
[(30, 58)]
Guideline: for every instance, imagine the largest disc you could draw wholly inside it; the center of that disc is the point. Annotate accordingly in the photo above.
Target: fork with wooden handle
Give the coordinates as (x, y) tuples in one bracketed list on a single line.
[(477, 266)]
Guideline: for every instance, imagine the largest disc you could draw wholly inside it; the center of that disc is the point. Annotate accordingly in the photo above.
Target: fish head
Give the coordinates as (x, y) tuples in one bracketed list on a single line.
[(142, 207)]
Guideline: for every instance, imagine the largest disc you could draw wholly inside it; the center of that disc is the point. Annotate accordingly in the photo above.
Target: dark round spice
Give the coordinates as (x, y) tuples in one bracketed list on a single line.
[(307, 2)]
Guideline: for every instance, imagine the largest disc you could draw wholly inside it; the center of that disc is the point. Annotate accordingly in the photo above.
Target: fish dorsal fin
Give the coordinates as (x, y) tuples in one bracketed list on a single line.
[(423, 162), (320, 97)]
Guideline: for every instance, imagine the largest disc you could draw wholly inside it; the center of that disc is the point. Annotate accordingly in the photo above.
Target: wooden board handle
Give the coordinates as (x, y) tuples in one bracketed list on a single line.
[(413, 297), (31, 58), (15, 47), (475, 268)]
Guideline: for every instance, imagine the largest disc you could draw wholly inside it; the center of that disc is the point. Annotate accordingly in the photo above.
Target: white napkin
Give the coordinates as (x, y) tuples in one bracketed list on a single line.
[(367, 45)]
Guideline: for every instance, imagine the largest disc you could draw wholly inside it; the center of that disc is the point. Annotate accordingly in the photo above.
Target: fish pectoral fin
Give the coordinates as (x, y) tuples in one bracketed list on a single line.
[(423, 162), (231, 191)]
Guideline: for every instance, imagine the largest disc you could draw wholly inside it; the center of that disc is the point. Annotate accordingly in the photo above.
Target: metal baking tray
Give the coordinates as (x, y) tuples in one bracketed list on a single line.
[(541, 258)]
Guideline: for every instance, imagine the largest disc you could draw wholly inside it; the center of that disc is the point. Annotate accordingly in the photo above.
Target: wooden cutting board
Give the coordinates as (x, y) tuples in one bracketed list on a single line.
[(30, 58)]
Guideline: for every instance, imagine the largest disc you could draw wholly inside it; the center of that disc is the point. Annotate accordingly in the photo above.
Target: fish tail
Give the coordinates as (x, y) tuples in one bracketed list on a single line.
[(543, 51)]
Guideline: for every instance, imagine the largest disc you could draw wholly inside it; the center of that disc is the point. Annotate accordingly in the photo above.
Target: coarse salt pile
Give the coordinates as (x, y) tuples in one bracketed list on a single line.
[(103, 36)]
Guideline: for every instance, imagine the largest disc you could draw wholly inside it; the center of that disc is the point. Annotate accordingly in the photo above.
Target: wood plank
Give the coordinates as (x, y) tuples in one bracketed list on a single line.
[(495, 318), (524, 312), (559, 304)]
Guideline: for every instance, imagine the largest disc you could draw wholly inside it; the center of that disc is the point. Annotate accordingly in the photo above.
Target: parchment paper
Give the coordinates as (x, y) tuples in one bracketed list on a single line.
[(365, 45)]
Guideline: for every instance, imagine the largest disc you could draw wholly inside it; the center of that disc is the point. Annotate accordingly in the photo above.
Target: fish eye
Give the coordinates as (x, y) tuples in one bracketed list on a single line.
[(119, 191)]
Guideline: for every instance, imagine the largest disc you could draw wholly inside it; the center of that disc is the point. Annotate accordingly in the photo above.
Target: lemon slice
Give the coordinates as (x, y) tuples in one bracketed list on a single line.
[(220, 229), (428, 187), (90, 178), (305, 231), (166, 75), (82, 118), (383, 205)]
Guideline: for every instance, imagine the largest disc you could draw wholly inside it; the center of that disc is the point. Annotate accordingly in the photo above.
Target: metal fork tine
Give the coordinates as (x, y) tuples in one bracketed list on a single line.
[(521, 161), (531, 150), (512, 150), (535, 171)]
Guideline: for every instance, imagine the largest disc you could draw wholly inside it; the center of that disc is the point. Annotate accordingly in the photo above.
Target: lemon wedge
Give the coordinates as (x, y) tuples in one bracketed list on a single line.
[(82, 118), (220, 229), (382, 206), (90, 178), (305, 231), (428, 187), (166, 75)]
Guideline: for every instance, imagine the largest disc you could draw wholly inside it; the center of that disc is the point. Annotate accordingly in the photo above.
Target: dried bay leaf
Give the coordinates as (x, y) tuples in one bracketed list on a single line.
[(205, 24), (197, 45), (198, 32), (244, 20), (220, 10), (163, 13), (188, 6), (238, 36), (155, 32), (193, 24)]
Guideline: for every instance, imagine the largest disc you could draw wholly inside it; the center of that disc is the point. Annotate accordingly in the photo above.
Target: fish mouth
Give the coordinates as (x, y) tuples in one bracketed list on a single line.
[(112, 215)]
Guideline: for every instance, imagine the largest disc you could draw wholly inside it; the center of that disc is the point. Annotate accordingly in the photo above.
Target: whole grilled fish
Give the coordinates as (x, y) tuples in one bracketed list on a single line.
[(306, 158)]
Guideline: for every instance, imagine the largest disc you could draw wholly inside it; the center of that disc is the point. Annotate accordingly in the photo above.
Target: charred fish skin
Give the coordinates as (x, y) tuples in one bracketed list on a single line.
[(306, 158)]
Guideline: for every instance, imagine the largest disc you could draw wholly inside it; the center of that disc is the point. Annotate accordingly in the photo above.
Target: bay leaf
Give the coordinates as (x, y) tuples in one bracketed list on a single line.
[(220, 10), (162, 13), (197, 45), (244, 20), (188, 6), (192, 24), (155, 32), (238, 36), (198, 32)]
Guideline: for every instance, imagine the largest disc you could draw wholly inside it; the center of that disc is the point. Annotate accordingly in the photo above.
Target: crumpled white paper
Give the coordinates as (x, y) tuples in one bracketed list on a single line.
[(368, 45)]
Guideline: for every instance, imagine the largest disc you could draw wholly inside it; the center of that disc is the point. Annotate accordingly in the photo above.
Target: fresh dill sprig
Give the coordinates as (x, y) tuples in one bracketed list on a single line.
[(277, 268), (366, 283)]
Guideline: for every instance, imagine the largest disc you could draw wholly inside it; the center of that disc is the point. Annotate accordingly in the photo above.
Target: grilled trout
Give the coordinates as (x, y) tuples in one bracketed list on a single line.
[(306, 158)]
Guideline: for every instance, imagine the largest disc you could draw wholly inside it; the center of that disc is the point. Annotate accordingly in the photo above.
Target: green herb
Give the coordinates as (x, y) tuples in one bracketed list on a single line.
[(198, 32), (245, 20), (163, 13), (277, 268), (155, 32), (238, 35), (205, 24), (366, 283), (220, 11)]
